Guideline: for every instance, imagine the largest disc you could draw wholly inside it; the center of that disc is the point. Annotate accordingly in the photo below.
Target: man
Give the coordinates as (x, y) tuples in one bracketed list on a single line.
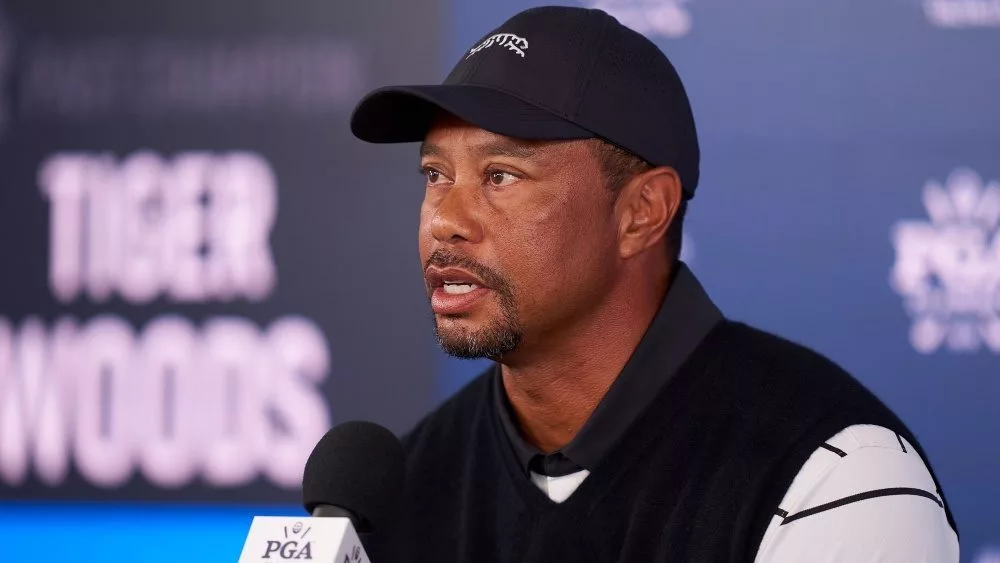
[(627, 419)]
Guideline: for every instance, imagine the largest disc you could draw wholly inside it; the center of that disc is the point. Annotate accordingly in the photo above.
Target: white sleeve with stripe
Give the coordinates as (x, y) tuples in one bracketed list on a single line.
[(865, 497)]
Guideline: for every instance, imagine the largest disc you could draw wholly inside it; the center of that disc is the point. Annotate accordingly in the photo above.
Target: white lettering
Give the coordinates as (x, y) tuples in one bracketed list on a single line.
[(244, 204), (226, 404), (62, 182), (194, 228), (231, 382), (13, 434), (104, 239), (30, 402), (184, 227), (300, 360), (52, 436), (140, 278), (104, 405), (172, 422), (513, 43)]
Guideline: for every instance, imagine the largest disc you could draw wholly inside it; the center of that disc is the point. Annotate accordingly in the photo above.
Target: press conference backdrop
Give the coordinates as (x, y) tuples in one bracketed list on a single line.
[(201, 270)]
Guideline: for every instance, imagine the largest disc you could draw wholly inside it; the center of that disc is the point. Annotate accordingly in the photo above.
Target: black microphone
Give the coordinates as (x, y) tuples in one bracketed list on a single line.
[(356, 471)]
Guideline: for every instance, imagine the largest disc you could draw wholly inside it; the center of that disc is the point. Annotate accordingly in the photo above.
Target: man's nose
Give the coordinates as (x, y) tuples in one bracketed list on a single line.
[(456, 219)]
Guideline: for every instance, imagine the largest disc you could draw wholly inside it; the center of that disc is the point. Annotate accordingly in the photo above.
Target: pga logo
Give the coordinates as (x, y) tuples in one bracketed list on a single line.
[(293, 546), (947, 268), (288, 550)]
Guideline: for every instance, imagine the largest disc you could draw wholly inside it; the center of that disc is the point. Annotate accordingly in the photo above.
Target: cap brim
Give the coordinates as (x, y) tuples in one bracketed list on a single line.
[(404, 114)]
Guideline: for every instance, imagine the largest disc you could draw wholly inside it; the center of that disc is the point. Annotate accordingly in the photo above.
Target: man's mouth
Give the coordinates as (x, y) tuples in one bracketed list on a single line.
[(454, 291), (454, 281), (459, 287)]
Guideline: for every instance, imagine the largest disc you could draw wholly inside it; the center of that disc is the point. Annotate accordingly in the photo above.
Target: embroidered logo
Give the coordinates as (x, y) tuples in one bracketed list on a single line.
[(512, 42), (948, 269)]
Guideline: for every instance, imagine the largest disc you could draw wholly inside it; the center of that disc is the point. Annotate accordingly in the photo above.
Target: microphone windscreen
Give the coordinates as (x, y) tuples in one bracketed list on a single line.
[(358, 466)]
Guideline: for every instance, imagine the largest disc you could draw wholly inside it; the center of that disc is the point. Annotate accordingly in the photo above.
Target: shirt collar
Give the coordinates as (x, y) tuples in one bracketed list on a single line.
[(684, 319)]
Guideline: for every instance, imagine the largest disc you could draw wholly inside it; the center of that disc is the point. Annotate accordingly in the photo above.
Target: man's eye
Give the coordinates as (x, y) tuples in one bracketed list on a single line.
[(432, 175), (501, 178)]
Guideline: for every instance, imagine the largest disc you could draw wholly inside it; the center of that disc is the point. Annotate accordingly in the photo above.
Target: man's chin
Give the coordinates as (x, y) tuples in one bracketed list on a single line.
[(462, 352), (467, 341)]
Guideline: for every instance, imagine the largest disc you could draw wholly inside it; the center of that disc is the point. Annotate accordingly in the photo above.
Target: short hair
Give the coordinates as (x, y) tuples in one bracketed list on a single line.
[(619, 166)]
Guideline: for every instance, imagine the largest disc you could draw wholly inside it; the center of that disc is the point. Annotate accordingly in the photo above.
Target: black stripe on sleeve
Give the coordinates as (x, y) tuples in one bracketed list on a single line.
[(837, 451), (901, 442), (898, 491), (782, 513)]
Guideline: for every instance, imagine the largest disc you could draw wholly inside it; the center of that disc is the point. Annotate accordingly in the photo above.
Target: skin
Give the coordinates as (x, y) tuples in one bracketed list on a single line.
[(579, 272)]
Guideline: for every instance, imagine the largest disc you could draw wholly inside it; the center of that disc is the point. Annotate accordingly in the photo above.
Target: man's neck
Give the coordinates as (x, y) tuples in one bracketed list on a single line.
[(554, 390)]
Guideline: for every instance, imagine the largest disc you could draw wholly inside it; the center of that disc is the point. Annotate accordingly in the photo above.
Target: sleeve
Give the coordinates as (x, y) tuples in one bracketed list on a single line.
[(865, 496)]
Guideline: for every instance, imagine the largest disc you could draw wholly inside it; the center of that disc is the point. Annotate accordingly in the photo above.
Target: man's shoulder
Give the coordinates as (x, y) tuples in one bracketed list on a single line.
[(770, 348), (789, 378), (784, 401), (454, 420), (764, 353)]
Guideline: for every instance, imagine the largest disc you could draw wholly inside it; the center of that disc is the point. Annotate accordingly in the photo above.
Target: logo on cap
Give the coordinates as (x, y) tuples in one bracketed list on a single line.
[(512, 42), (948, 269)]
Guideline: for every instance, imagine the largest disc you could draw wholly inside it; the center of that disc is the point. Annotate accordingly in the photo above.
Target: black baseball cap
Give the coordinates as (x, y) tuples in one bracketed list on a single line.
[(553, 73)]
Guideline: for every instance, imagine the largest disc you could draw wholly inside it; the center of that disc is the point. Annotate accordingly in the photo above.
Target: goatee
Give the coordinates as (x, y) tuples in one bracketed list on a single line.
[(501, 335)]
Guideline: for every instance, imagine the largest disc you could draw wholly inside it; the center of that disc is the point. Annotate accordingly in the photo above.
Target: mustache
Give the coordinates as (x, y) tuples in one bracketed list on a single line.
[(447, 259)]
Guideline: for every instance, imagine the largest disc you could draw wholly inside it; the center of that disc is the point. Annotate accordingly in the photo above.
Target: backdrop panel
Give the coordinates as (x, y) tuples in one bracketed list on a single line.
[(202, 269)]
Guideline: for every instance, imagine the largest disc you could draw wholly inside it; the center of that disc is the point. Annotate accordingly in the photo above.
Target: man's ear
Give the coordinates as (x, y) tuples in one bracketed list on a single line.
[(645, 208)]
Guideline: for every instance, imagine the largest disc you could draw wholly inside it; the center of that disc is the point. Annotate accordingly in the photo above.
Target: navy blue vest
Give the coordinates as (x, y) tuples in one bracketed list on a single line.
[(696, 478)]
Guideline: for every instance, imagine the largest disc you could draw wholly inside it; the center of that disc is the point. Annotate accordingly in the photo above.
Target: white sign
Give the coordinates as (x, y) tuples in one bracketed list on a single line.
[(275, 539)]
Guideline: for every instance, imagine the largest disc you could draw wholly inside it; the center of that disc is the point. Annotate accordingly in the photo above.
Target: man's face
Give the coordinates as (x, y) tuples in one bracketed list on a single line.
[(517, 239)]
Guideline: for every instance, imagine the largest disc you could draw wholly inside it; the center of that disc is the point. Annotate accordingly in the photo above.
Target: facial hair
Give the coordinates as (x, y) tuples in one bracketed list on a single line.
[(501, 335)]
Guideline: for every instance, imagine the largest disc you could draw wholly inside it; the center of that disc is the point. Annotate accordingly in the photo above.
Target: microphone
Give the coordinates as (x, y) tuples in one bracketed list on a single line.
[(351, 482), (356, 472)]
